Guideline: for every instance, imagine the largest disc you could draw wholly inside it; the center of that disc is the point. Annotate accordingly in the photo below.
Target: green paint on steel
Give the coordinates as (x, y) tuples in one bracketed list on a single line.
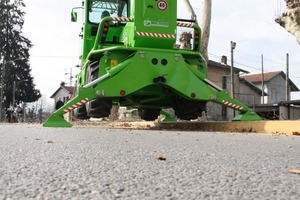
[(134, 50), (167, 117), (56, 121)]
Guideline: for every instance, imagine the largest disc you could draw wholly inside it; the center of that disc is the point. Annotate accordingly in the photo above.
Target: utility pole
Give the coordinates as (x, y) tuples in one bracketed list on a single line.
[(14, 90), (232, 47), (287, 78), (2, 88), (2, 70), (262, 79), (70, 77), (14, 95)]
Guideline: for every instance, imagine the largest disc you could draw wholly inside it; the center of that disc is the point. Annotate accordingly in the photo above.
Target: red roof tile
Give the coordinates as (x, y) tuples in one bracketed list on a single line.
[(256, 78), (69, 88)]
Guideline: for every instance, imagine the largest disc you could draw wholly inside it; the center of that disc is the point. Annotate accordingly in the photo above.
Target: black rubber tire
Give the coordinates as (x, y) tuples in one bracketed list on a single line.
[(149, 114), (99, 108), (80, 112), (92, 72), (188, 109)]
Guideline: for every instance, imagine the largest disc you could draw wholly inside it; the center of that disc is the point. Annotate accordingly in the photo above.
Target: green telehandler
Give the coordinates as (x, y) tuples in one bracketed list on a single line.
[(130, 58)]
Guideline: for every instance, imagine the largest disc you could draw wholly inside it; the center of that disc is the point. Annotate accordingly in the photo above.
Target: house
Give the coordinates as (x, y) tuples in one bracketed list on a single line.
[(272, 103), (276, 104), (249, 93), (64, 93), (274, 85), (245, 92)]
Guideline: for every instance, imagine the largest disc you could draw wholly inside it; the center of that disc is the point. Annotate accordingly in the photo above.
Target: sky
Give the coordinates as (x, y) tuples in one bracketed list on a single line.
[(249, 23)]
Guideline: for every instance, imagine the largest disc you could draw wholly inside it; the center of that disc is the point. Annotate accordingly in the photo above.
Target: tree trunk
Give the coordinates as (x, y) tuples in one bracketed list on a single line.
[(190, 9), (290, 20), (205, 25)]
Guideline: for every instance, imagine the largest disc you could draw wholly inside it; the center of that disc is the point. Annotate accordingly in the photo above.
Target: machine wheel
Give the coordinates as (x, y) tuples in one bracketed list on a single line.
[(80, 112), (188, 109), (148, 114), (100, 107)]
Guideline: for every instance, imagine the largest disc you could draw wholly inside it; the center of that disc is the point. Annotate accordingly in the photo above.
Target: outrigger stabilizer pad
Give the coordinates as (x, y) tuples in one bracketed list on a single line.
[(167, 117), (250, 115), (56, 121)]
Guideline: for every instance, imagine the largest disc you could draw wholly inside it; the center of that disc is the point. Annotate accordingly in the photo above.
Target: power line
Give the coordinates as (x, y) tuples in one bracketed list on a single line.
[(295, 76), (238, 63), (54, 56), (256, 68)]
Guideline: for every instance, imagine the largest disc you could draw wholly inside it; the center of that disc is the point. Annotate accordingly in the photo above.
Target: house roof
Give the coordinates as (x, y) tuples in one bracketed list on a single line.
[(69, 89), (268, 76), (256, 78), (252, 86), (221, 65)]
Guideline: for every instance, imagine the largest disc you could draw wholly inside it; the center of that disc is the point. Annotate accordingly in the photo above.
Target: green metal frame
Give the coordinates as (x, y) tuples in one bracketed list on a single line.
[(137, 63), (182, 78)]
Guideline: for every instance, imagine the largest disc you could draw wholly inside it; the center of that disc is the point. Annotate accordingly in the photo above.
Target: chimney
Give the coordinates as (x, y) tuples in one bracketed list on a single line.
[(62, 84), (224, 60)]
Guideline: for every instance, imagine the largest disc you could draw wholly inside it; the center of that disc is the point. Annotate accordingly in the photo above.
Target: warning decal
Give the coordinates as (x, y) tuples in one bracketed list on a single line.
[(162, 5)]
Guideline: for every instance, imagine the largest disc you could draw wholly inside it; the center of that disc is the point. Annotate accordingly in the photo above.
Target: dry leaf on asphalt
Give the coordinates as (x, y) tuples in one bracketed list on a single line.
[(294, 171), (161, 158)]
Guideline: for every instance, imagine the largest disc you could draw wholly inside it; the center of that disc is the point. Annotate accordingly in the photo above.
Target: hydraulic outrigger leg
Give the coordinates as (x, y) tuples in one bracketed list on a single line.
[(85, 94), (246, 113), (57, 119)]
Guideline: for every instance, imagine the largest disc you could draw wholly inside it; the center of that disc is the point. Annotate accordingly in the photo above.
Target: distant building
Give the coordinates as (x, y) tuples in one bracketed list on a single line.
[(248, 90), (64, 93), (245, 92), (249, 93), (274, 85), (276, 104)]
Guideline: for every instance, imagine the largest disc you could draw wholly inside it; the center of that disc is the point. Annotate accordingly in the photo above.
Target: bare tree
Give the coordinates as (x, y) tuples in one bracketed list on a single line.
[(205, 23), (190, 9), (290, 20)]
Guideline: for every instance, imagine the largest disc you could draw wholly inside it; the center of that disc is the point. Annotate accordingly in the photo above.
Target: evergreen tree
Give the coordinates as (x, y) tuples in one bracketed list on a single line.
[(14, 54)]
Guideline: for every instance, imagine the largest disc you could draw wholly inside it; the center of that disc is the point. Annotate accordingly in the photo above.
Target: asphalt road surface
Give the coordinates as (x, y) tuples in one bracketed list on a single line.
[(99, 163)]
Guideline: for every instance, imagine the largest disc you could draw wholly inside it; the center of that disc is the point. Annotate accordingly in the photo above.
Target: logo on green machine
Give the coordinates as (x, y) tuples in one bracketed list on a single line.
[(155, 23)]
